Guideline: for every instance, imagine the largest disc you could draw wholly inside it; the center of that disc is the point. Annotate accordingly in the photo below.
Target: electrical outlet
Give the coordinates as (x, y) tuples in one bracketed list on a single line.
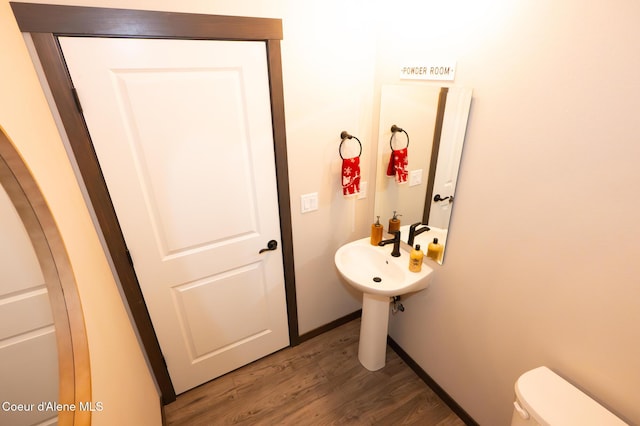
[(309, 202)]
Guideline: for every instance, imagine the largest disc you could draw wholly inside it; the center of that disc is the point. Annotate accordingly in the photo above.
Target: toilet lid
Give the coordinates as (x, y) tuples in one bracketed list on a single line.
[(551, 400)]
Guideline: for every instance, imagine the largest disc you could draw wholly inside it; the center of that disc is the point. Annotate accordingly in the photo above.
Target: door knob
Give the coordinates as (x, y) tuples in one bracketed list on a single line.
[(439, 198), (271, 245)]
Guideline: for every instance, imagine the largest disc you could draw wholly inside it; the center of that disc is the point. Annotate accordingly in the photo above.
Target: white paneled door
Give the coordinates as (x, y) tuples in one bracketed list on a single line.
[(182, 131), (454, 127)]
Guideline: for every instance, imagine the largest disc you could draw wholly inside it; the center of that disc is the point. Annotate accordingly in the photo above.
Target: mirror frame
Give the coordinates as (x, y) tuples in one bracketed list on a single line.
[(71, 339), (435, 148)]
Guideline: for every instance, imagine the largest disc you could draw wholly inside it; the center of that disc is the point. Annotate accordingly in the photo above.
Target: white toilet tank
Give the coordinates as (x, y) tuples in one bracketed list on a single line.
[(544, 398)]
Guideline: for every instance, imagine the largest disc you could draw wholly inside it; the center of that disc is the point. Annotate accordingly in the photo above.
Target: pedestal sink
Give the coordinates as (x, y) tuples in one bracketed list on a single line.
[(372, 270)]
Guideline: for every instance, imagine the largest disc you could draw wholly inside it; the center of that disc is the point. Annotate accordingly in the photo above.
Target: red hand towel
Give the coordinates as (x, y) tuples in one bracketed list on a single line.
[(351, 176), (398, 163), (391, 168)]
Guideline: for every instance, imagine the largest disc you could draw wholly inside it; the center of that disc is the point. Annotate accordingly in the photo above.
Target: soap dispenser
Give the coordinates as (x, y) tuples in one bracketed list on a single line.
[(376, 232), (435, 250), (415, 259), (394, 223)]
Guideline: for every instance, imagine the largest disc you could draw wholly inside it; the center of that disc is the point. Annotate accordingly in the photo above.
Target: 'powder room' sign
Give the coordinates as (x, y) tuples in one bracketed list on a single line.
[(433, 71)]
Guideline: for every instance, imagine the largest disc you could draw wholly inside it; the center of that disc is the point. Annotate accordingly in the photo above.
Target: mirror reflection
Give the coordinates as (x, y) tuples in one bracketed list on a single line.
[(433, 121), (28, 352), (44, 356)]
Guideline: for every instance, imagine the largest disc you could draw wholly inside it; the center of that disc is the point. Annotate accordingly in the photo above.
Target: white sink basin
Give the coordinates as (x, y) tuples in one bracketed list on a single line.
[(372, 269)]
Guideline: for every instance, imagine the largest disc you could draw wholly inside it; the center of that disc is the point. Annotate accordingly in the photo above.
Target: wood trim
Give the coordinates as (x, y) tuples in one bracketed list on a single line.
[(71, 338), (47, 22), (437, 389), (330, 326), (435, 148), (97, 21), (274, 63)]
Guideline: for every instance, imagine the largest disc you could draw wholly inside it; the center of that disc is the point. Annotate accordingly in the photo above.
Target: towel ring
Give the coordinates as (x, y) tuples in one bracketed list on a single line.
[(344, 136), (395, 129)]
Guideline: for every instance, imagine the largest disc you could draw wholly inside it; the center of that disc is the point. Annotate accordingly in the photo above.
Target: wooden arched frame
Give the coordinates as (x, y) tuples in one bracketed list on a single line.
[(44, 23), (71, 338)]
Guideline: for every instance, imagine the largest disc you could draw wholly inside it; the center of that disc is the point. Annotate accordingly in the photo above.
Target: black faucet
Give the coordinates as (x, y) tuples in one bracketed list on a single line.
[(396, 243), (413, 232)]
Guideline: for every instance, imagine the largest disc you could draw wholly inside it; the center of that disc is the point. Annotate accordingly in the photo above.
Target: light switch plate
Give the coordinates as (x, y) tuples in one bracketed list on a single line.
[(309, 202), (415, 177), (363, 191)]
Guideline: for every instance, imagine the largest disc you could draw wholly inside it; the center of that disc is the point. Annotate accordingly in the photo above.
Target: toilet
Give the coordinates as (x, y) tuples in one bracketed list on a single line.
[(544, 398)]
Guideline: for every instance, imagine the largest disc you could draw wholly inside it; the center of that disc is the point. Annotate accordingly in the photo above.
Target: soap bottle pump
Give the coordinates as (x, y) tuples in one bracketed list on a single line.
[(415, 259), (435, 250), (376, 232), (394, 223)]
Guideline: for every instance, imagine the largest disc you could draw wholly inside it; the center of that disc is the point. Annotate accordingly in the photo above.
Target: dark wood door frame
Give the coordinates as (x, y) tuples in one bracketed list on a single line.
[(46, 22), (435, 149)]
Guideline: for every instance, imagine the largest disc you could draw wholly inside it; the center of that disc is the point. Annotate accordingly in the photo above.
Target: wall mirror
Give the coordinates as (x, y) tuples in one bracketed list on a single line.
[(28, 355), (434, 122), (44, 357)]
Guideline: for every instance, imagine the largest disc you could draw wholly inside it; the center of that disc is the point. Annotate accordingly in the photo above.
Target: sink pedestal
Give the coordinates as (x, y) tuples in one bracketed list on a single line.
[(379, 276), (372, 348)]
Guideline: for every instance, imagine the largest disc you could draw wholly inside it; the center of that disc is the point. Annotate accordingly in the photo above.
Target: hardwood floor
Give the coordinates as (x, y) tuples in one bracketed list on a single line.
[(319, 382)]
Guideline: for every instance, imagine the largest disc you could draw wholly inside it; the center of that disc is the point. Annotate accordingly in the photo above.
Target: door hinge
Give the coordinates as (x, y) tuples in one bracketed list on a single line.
[(76, 98), (128, 253)]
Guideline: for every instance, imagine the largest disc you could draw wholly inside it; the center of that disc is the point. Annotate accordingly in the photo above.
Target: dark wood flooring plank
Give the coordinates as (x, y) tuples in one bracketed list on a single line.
[(319, 382)]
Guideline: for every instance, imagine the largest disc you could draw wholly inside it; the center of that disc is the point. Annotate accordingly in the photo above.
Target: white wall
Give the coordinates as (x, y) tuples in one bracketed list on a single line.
[(328, 71), (539, 268)]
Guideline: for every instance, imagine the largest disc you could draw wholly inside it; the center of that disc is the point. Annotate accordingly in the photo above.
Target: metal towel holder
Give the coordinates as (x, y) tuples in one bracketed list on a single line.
[(395, 129), (344, 136)]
